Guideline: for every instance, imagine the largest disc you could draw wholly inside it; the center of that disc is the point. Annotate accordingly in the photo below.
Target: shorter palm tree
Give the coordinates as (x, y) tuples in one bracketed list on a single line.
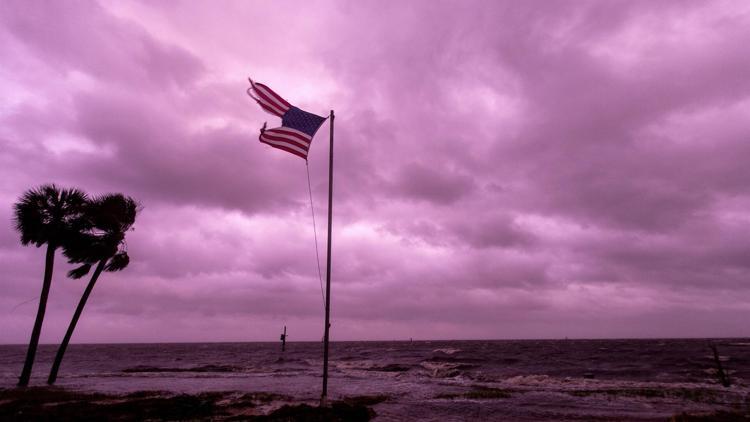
[(52, 216), (111, 216)]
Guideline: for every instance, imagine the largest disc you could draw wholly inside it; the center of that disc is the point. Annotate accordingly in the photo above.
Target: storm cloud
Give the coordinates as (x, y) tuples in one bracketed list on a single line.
[(503, 169)]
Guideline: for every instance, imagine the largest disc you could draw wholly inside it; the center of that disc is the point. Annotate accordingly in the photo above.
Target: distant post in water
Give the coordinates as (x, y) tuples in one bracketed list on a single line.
[(283, 340), (328, 268), (723, 376)]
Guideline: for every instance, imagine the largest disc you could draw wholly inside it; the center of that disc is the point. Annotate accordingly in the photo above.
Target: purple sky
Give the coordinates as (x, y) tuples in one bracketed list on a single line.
[(504, 169)]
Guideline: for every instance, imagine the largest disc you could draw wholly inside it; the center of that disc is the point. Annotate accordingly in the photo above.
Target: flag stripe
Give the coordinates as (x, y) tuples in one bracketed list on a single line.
[(278, 138), (273, 93), (292, 131), (285, 132), (267, 94), (269, 109), (274, 109), (286, 147)]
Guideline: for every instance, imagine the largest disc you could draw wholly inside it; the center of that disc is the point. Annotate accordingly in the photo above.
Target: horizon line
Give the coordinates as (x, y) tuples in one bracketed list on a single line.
[(393, 340)]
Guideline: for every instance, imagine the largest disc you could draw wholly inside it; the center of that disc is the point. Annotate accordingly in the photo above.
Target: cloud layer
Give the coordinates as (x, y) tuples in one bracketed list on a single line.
[(503, 169)]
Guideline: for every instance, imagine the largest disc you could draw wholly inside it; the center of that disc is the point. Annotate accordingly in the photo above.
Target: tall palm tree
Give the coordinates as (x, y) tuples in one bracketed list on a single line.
[(47, 215), (110, 216)]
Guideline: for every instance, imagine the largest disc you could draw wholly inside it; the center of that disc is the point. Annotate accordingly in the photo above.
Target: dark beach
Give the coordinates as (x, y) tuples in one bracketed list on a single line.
[(57, 404)]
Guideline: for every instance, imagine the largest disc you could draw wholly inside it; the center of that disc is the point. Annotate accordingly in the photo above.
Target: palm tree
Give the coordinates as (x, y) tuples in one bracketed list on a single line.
[(110, 216), (47, 215)]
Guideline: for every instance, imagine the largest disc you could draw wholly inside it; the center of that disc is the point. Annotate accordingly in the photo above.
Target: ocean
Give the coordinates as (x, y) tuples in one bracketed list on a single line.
[(428, 380)]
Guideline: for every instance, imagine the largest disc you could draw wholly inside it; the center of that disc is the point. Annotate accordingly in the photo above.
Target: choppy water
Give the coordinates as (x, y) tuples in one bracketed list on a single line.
[(428, 380)]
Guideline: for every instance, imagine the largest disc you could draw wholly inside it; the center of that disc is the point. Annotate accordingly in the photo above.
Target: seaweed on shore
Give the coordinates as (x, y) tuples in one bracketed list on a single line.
[(250, 400), (48, 404), (365, 400), (340, 411), (354, 409), (55, 404)]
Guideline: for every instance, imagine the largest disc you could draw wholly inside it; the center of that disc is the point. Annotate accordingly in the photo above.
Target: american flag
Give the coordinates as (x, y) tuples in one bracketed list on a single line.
[(297, 126)]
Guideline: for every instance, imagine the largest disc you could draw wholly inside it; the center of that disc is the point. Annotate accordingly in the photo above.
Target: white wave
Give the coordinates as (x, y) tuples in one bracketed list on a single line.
[(441, 369), (539, 382), (447, 350)]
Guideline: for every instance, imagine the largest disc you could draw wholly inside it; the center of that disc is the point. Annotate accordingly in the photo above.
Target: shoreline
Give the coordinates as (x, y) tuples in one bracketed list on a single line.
[(60, 404), (64, 404)]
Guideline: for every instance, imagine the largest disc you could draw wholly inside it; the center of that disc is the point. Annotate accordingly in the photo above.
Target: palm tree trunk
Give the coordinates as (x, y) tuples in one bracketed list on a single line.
[(49, 263), (74, 322)]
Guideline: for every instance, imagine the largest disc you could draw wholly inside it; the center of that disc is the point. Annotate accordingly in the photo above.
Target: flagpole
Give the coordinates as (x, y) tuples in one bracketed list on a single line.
[(323, 398)]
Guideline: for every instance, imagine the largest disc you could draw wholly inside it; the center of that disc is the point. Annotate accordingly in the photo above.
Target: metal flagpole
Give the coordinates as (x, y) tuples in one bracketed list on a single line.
[(323, 398)]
